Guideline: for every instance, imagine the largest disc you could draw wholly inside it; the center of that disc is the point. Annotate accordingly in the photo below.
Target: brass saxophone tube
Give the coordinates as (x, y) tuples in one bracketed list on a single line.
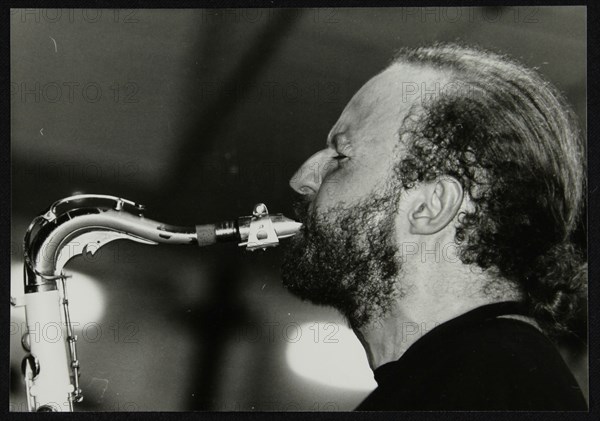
[(86, 230)]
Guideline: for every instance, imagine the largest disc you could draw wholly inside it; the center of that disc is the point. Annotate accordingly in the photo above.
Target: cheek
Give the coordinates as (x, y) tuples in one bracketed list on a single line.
[(335, 189), (372, 176), (349, 187), (355, 181), (331, 192)]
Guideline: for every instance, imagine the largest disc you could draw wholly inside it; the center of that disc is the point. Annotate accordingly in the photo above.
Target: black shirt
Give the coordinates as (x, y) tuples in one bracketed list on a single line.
[(478, 361)]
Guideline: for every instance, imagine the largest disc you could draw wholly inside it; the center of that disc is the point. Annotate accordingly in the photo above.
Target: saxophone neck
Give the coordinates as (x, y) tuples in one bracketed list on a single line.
[(79, 224)]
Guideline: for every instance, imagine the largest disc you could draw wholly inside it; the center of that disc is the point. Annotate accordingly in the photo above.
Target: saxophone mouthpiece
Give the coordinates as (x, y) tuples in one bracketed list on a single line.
[(259, 231)]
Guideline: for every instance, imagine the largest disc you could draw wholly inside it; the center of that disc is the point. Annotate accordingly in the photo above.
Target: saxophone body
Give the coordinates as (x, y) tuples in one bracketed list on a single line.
[(83, 224)]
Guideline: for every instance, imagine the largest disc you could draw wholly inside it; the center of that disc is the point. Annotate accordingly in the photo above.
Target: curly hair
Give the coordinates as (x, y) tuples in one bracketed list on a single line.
[(514, 144)]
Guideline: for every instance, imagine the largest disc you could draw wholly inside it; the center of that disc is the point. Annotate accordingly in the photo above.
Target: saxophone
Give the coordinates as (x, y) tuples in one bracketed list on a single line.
[(83, 224)]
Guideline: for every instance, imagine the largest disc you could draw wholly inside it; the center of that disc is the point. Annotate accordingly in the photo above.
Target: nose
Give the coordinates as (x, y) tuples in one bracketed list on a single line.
[(307, 180)]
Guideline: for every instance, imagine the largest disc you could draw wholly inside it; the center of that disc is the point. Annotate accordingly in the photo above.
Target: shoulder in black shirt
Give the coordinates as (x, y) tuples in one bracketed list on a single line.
[(478, 361)]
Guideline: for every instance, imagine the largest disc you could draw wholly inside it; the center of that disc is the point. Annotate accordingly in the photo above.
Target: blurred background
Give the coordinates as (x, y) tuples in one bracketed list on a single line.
[(200, 114)]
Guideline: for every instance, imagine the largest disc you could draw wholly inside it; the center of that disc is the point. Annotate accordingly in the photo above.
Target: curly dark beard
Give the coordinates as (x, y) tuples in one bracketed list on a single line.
[(346, 258)]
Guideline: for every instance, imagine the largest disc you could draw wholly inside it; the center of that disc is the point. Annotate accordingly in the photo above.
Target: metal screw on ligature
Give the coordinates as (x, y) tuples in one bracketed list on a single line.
[(260, 210)]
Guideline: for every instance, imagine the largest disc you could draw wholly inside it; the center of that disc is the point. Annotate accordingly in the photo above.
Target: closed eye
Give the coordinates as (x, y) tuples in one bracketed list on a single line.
[(340, 157)]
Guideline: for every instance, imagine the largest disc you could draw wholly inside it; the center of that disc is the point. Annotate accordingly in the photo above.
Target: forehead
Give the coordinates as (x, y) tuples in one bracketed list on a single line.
[(380, 105)]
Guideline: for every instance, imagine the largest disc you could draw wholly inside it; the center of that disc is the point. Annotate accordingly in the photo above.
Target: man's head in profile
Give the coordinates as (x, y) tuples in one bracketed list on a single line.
[(452, 181)]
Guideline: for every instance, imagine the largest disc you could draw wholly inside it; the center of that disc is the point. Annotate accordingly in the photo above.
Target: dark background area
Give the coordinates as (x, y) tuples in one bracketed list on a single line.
[(200, 114)]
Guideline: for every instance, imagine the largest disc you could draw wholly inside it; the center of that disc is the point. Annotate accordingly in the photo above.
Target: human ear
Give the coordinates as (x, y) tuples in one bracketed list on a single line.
[(435, 206)]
